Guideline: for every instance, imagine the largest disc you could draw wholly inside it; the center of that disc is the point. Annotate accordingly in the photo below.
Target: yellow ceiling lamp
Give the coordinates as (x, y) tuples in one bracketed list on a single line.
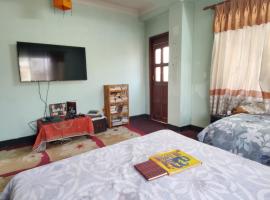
[(63, 5)]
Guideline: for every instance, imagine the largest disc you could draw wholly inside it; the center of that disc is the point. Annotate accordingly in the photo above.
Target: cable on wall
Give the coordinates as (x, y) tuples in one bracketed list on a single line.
[(45, 101), (33, 125)]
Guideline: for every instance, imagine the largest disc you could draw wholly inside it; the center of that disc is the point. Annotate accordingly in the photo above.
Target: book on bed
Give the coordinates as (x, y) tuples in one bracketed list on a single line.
[(150, 170), (175, 161)]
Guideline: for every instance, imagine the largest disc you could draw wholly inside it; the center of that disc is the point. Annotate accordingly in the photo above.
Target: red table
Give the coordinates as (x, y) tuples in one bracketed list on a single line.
[(48, 132)]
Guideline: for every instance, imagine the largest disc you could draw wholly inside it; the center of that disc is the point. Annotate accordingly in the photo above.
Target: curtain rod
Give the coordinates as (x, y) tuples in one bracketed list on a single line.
[(214, 5)]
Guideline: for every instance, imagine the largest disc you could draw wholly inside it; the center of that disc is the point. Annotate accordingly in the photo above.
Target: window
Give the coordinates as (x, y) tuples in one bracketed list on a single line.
[(158, 74), (166, 55), (166, 73), (161, 65), (158, 56)]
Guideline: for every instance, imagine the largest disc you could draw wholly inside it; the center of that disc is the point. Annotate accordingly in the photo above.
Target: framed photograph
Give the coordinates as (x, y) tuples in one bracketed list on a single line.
[(59, 109), (71, 108)]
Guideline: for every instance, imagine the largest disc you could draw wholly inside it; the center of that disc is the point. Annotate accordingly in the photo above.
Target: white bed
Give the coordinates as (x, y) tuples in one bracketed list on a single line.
[(108, 173)]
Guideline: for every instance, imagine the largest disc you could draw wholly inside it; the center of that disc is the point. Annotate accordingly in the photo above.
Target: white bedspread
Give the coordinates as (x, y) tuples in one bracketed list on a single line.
[(108, 174)]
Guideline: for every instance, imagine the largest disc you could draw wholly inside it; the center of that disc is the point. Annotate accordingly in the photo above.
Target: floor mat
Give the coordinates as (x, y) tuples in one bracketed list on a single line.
[(116, 135), (4, 181), (20, 159), (57, 151)]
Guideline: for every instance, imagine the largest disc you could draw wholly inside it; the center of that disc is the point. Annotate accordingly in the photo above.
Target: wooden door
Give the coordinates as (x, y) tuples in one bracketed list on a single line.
[(159, 77)]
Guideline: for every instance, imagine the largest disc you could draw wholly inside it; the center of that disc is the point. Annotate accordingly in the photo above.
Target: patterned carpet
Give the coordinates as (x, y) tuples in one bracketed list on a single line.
[(20, 159)]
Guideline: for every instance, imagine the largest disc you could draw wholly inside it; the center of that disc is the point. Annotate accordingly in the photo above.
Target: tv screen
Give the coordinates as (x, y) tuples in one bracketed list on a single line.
[(45, 62)]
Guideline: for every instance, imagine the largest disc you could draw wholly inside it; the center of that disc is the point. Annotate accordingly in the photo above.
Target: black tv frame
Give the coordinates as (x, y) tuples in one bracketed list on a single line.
[(52, 45)]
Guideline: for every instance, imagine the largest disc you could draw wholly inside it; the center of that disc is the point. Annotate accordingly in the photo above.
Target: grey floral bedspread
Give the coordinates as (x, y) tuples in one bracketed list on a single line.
[(108, 174), (243, 134)]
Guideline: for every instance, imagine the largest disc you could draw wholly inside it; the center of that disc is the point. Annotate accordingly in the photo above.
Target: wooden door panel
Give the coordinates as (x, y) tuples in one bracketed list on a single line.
[(156, 102), (165, 103), (159, 64)]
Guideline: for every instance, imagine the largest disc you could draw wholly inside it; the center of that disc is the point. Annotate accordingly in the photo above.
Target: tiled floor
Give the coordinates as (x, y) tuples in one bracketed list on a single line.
[(145, 126)]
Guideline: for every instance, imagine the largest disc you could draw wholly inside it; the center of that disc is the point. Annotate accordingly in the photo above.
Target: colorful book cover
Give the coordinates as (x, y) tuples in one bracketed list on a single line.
[(175, 161), (150, 170)]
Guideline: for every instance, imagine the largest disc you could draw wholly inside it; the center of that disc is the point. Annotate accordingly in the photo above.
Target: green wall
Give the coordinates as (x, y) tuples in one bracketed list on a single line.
[(189, 87), (153, 26), (175, 43), (114, 49), (117, 52), (186, 63), (202, 53)]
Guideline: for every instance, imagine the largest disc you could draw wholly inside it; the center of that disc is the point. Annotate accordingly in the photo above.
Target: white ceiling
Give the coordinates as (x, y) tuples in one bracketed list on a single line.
[(142, 6), (139, 7)]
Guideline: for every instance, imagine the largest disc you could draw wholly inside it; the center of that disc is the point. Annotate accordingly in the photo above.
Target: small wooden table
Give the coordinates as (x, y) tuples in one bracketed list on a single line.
[(49, 132)]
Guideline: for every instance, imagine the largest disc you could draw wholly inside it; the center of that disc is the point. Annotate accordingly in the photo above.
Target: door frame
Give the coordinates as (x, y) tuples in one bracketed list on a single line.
[(153, 39)]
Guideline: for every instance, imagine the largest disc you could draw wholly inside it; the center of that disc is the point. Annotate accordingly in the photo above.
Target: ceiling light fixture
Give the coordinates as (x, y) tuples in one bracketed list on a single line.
[(63, 5)]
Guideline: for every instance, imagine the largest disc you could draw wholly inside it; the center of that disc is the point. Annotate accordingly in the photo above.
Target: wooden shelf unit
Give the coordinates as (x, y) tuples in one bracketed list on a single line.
[(116, 104)]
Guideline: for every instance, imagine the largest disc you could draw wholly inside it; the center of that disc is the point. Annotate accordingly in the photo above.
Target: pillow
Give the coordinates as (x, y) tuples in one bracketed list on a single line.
[(250, 108), (239, 109)]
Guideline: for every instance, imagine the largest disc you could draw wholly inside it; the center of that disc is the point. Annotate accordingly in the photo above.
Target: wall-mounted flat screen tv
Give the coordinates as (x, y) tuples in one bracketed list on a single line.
[(45, 62)]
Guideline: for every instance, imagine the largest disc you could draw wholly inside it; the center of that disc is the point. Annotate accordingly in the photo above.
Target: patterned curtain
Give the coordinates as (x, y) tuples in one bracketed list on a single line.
[(241, 56)]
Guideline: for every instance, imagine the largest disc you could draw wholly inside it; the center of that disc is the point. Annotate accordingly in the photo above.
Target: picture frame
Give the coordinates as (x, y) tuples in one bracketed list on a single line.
[(58, 109), (71, 109)]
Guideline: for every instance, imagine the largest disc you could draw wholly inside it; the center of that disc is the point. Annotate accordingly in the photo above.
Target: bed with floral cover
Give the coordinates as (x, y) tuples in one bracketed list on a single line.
[(108, 174), (242, 134)]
